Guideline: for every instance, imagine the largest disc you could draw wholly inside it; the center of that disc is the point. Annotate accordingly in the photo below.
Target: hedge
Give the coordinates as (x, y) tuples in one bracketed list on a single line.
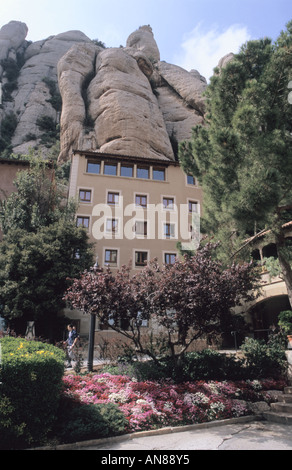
[(31, 375)]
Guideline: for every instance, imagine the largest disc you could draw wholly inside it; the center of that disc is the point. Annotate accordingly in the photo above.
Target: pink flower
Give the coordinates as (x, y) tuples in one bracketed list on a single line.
[(148, 405)]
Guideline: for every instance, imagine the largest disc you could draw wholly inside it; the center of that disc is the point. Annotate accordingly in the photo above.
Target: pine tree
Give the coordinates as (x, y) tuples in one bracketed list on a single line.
[(243, 156)]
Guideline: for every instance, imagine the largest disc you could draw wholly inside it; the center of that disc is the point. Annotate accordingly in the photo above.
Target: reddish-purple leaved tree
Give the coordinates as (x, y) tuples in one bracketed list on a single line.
[(191, 299)]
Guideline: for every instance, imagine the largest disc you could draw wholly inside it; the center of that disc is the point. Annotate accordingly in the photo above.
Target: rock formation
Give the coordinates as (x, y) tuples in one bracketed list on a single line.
[(28, 76), (122, 100), (135, 104)]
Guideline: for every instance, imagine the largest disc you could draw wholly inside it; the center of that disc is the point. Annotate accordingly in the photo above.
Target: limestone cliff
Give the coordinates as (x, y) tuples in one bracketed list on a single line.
[(122, 100), (30, 99)]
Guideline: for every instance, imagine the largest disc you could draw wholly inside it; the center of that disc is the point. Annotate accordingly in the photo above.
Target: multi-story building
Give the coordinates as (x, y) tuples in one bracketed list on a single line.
[(135, 209)]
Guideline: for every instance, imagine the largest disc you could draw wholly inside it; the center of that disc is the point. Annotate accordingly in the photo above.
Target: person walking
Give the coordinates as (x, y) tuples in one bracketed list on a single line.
[(70, 344)]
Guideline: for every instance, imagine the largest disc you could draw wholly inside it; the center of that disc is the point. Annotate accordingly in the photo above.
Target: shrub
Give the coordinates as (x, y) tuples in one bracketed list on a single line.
[(211, 365), (31, 375), (55, 100), (7, 129), (84, 422), (264, 359), (9, 432), (46, 123), (260, 360), (203, 365), (285, 321), (11, 72)]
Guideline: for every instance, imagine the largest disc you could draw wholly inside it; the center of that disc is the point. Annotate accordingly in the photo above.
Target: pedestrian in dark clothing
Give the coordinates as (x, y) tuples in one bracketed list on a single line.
[(70, 344)]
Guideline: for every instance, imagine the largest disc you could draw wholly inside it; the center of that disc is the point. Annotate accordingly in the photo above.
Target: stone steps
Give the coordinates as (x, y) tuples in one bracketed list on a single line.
[(281, 411)]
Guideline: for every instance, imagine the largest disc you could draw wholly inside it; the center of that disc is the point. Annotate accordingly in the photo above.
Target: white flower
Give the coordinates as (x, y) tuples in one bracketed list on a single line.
[(167, 406), (214, 388), (215, 408), (195, 398), (256, 385), (120, 397), (140, 401)]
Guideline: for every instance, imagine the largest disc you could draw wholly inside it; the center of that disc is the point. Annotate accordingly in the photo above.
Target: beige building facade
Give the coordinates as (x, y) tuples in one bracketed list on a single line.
[(8, 173), (135, 209)]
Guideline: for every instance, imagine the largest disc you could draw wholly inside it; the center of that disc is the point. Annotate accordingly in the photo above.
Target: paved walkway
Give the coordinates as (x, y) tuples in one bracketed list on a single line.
[(236, 434)]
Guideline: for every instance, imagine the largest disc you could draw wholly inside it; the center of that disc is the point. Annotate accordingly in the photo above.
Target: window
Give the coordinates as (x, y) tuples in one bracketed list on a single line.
[(111, 257), (123, 323), (169, 258), (110, 169), (141, 228), (169, 230), (127, 170), (85, 195), (93, 167), (112, 225), (141, 200), (113, 198), (168, 203), (191, 180), (143, 172), (140, 320), (82, 221), (193, 206), (158, 174), (192, 232), (106, 324), (141, 258)]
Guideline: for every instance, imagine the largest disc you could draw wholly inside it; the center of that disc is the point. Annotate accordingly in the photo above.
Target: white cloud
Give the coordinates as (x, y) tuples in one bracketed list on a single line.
[(202, 50)]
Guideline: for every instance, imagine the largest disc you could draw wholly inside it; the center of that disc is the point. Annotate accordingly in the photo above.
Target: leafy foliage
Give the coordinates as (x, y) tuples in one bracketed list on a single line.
[(243, 156), (7, 128), (41, 248), (34, 269), (56, 99), (38, 201), (246, 146), (31, 375), (51, 131), (190, 300), (90, 422), (285, 321), (261, 358)]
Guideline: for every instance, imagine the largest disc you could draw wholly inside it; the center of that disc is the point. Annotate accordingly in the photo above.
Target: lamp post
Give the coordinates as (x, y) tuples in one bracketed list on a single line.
[(91, 332), (91, 342)]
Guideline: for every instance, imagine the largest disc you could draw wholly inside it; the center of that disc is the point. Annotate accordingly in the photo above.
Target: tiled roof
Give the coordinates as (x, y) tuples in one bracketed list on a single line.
[(161, 160)]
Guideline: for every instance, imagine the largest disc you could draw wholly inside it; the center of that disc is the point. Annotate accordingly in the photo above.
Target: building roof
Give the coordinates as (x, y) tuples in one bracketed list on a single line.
[(134, 158), (264, 232), (261, 234), (14, 161)]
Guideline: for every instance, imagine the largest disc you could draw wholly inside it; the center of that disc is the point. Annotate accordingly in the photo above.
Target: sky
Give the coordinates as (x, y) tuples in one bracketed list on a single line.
[(193, 34)]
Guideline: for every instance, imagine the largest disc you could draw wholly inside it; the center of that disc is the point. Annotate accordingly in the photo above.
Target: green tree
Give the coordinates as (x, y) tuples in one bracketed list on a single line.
[(243, 155), (34, 272), (40, 199), (41, 249)]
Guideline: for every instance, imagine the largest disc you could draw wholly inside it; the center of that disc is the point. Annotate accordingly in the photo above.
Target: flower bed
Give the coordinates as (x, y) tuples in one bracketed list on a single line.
[(149, 405)]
